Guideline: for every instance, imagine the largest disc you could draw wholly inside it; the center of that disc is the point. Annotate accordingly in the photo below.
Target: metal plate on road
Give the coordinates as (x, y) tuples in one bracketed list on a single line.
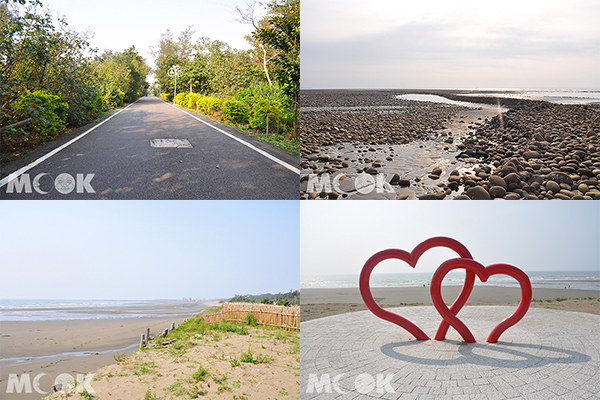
[(177, 143)]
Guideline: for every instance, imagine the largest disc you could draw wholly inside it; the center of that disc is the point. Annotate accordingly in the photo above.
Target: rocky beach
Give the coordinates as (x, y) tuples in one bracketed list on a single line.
[(373, 144)]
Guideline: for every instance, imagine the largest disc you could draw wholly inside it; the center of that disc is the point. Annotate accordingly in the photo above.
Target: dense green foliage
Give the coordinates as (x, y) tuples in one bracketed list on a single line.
[(181, 98), (235, 111), (265, 112), (290, 298), (48, 112), (40, 56), (282, 33), (192, 100), (239, 78), (209, 104), (122, 76), (49, 73), (209, 67)]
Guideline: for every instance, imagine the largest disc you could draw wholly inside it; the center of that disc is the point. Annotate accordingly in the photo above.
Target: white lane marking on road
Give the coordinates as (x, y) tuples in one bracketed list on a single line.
[(264, 153), (26, 168)]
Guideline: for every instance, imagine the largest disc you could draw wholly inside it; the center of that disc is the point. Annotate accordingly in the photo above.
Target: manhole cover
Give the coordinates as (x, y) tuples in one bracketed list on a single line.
[(178, 143)]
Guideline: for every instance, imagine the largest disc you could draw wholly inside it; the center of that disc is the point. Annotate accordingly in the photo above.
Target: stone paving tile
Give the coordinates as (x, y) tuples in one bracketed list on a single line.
[(548, 355), (478, 397), (471, 390)]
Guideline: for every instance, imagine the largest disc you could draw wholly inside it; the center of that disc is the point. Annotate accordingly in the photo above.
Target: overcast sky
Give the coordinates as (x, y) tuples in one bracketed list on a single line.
[(450, 44), (338, 237), (148, 249), (118, 25)]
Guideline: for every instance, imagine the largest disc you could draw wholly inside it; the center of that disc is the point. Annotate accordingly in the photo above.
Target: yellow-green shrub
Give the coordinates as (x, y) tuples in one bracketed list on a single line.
[(181, 99), (235, 111), (209, 104), (262, 107), (48, 112), (192, 100)]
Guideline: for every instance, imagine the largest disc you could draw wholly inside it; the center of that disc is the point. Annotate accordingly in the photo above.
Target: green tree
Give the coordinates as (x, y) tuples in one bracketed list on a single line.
[(194, 76), (262, 53), (122, 75), (283, 34), (171, 51), (229, 70), (36, 55)]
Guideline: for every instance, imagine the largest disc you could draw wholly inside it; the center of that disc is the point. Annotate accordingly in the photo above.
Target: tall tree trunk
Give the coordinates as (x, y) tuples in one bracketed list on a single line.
[(265, 61)]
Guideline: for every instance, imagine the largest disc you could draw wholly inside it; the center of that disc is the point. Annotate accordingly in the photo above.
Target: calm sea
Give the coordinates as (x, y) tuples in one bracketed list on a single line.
[(584, 280), (561, 96), (53, 310)]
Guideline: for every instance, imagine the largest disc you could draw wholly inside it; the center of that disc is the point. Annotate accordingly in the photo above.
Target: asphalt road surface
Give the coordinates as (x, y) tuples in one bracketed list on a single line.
[(115, 160)]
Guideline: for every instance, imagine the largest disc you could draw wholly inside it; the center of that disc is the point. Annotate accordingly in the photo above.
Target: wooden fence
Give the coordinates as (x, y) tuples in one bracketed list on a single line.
[(265, 314)]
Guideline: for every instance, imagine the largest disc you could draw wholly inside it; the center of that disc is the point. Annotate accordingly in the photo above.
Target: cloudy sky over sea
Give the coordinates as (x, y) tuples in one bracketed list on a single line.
[(450, 44), (337, 238)]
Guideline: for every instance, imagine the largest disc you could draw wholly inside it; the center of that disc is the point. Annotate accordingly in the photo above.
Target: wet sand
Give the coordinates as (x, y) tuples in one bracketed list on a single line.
[(72, 346), (317, 303)]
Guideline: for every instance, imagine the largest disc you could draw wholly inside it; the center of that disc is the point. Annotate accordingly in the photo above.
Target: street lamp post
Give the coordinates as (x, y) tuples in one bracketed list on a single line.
[(175, 71)]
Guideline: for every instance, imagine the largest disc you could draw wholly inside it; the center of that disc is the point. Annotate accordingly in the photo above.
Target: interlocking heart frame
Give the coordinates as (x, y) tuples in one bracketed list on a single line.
[(449, 318)]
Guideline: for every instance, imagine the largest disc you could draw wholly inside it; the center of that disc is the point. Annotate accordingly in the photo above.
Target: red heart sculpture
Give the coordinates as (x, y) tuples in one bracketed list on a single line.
[(411, 259), (483, 273)]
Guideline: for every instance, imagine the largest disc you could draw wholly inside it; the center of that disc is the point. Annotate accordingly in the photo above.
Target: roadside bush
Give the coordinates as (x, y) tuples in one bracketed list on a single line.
[(266, 115), (99, 103), (47, 111), (263, 90), (181, 99), (192, 100), (209, 105), (165, 96), (113, 96), (235, 111)]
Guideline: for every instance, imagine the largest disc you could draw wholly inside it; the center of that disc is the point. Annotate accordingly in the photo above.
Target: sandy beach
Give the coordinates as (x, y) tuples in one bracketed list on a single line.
[(318, 303), (72, 346), (169, 371)]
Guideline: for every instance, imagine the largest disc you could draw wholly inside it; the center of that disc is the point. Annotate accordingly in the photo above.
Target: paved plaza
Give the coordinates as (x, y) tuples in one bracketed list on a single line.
[(549, 354)]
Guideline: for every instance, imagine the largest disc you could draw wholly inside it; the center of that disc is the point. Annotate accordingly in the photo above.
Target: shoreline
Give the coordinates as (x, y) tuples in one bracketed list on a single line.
[(318, 303), (73, 346)]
